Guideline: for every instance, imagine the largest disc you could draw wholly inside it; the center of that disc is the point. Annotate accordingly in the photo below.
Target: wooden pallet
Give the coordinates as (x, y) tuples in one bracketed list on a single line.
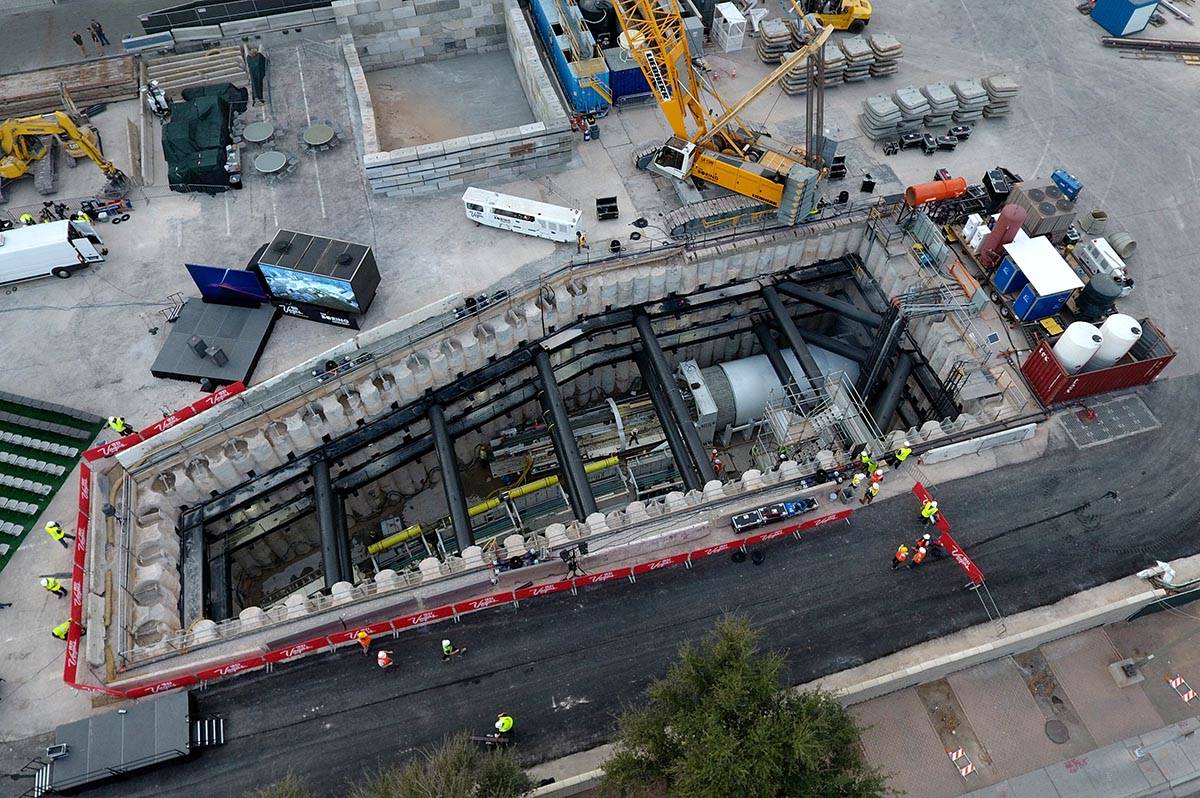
[(96, 81)]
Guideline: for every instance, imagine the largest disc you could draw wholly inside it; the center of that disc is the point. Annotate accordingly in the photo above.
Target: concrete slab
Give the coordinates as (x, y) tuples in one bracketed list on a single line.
[(1081, 665), (431, 102), (897, 732), (1168, 635), (1005, 717)]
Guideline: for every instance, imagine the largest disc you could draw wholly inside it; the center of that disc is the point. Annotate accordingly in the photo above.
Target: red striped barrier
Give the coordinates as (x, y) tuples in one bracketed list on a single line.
[(82, 522), (947, 541)]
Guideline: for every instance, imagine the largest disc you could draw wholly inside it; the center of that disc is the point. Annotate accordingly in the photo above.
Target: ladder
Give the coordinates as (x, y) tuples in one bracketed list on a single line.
[(661, 85)]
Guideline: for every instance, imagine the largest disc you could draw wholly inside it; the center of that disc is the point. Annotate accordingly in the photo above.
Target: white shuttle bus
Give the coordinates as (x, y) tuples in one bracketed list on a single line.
[(520, 215)]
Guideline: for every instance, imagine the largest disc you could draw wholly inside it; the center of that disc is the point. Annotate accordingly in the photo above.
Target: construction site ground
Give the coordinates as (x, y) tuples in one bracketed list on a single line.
[(1120, 125)]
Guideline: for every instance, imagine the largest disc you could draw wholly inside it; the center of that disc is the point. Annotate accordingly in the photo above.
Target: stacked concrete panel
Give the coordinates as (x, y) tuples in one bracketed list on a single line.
[(391, 33)]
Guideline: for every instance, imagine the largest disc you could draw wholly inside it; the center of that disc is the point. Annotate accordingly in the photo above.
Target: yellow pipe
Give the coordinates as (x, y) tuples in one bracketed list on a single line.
[(490, 504)]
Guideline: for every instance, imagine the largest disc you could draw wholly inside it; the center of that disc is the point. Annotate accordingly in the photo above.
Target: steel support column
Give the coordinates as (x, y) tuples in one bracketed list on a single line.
[(795, 342), (683, 463), (331, 561), (566, 448), (662, 372), (829, 303), (766, 339), (343, 538), (889, 398), (835, 345), (451, 478)]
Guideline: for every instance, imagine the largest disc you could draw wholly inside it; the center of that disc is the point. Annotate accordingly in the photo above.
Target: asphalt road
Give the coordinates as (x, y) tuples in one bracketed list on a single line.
[(565, 665)]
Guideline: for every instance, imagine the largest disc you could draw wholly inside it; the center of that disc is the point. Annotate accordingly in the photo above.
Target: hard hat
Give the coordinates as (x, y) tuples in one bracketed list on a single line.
[(498, 725), (45, 581), (922, 549), (361, 633), (906, 443), (933, 503), (879, 472), (445, 642), (927, 536)]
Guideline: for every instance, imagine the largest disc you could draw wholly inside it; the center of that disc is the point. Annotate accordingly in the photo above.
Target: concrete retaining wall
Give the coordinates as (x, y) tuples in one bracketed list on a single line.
[(455, 163), (391, 33)]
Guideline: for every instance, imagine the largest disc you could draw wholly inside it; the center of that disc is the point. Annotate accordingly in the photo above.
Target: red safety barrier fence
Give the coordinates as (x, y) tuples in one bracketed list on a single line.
[(947, 541), (82, 523), (454, 611)]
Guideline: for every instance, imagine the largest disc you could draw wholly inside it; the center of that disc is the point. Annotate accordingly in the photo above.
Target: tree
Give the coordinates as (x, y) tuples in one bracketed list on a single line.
[(720, 724), (456, 769)]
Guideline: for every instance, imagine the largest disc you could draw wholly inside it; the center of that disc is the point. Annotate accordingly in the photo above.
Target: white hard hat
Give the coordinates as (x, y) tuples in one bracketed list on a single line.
[(906, 443), (933, 502), (45, 581), (445, 642), (879, 471), (927, 536), (498, 724), (922, 549)]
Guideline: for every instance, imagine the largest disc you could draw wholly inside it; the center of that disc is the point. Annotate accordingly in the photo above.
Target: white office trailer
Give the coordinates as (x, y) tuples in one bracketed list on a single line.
[(55, 248), (520, 215)]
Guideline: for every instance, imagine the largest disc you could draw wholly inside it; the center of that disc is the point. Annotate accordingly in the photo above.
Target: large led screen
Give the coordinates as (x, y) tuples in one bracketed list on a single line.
[(313, 289), (227, 286)]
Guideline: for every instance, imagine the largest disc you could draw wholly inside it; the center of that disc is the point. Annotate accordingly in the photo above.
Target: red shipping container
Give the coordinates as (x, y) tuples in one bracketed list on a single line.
[(1052, 384)]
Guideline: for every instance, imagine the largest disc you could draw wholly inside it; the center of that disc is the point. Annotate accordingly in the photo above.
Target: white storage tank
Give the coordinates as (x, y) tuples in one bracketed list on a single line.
[(1120, 333), (1077, 345)]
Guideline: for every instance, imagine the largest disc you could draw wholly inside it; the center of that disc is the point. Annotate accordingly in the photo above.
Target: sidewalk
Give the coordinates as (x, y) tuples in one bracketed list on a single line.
[(1002, 714), (42, 37)]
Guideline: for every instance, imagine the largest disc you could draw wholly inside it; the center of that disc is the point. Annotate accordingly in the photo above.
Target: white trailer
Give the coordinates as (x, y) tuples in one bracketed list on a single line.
[(521, 215), (54, 248)]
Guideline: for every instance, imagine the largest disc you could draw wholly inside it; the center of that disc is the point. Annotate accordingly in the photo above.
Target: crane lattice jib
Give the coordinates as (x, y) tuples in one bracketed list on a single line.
[(657, 40)]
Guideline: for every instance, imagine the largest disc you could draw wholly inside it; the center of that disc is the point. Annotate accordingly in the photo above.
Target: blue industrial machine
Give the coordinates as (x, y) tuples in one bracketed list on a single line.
[(1067, 182)]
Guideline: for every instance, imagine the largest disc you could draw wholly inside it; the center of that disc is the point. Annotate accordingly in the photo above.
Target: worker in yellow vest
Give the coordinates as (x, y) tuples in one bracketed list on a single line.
[(54, 586), (56, 532), (901, 454), (61, 630), (929, 511), (504, 725), (119, 425)]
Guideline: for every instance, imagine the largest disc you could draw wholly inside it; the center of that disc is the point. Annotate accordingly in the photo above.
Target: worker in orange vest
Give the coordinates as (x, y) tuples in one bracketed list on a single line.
[(900, 556), (384, 660), (364, 640), (877, 476), (917, 558)]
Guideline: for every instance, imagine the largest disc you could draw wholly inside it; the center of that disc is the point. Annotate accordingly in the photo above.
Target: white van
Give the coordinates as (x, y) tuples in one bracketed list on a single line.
[(57, 248)]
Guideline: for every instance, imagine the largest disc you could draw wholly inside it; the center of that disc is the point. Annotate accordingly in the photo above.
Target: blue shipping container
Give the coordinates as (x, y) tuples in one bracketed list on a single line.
[(1008, 278), (581, 68), (1031, 307), (625, 78), (1123, 17)]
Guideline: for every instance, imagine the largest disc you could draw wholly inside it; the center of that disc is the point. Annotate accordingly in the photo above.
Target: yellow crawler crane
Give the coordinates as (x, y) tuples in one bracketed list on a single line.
[(721, 150)]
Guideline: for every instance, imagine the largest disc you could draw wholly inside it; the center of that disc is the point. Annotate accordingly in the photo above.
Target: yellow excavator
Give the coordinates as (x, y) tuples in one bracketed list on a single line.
[(718, 149), (851, 15), (21, 145)]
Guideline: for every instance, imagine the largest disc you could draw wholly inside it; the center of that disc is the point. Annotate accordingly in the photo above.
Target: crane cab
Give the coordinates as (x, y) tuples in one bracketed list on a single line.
[(675, 159)]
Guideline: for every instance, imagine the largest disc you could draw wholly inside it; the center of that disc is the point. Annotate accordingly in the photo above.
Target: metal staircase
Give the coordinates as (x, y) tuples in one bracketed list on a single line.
[(207, 732)]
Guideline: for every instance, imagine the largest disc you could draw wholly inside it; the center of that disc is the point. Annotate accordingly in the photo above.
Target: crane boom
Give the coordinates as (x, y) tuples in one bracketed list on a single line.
[(770, 80), (656, 39)]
